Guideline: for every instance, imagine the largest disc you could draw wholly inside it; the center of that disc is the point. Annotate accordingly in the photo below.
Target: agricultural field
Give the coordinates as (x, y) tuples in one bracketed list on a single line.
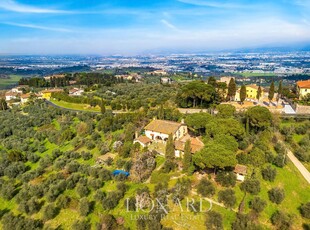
[(13, 80)]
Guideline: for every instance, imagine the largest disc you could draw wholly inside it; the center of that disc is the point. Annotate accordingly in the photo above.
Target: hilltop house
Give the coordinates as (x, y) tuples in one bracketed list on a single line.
[(251, 92), (9, 95), (226, 79), (76, 92), (144, 141), (47, 94), (303, 88), (159, 130), (196, 145), (24, 98)]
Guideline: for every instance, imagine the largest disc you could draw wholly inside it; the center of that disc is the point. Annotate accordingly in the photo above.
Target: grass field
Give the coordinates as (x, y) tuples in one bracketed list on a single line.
[(5, 83), (248, 74), (82, 107)]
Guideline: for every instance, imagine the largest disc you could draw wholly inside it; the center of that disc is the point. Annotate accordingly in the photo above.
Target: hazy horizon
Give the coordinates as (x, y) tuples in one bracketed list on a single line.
[(142, 27)]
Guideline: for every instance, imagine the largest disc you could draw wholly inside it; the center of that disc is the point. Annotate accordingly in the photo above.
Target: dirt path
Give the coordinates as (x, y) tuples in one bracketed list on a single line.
[(302, 169)]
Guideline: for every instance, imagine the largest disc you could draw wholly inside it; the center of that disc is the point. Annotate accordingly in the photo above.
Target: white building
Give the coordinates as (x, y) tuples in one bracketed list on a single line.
[(11, 95), (76, 92), (159, 130)]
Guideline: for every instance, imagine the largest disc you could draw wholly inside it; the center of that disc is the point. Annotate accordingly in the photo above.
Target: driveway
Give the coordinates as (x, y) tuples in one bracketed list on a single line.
[(302, 169)]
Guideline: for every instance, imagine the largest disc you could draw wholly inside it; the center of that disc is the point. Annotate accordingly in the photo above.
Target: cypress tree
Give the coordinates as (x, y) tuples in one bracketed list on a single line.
[(242, 93), (280, 90), (187, 159), (170, 148), (102, 107), (259, 93), (232, 88), (271, 91)]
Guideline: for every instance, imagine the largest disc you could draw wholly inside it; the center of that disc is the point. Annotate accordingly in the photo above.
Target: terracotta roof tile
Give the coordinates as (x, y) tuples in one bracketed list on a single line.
[(196, 144), (162, 126), (144, 139), (241, 169), (304, 84)]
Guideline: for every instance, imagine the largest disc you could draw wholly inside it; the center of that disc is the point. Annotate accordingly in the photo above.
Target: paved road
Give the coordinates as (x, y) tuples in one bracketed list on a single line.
[(302, 169)]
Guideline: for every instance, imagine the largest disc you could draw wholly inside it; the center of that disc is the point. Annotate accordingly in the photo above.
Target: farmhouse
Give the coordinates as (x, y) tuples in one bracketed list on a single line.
[(226, 79), (24, 98), (251, 91), (159, 130), (303, 88), (47, 94), (196, 145), (76, 92), (240, 171), (144, 141), (11, 95)]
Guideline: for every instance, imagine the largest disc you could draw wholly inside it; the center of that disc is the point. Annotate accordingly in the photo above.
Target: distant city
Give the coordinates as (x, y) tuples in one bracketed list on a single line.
[(205, 64)]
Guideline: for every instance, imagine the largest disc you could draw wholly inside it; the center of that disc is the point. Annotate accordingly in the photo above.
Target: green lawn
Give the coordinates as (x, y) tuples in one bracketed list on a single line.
[(4, 83), (82, 107), (248, 74)]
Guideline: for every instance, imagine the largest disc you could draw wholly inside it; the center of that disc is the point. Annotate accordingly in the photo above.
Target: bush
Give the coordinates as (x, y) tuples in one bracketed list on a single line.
[(257, 204), (280, 161), (269, 174), (205, 188), (226, 179), (214, 220), (85, 207), (251, 186), (82, 190), (305, 210), (50, 212), (63, 201), (81, 225), (245, 222), (227, 197), (276, 195), (281, 220)]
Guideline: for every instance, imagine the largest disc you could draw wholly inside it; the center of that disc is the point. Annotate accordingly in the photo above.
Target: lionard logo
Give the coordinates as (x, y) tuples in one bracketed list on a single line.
[(179, 214)]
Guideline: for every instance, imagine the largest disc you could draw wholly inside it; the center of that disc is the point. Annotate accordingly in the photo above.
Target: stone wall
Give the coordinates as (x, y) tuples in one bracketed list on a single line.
[(302, 109)]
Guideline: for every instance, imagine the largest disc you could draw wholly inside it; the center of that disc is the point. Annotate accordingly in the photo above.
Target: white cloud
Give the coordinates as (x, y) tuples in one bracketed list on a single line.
[(216, 4), (168, 24), (14, 6), (37, 27)]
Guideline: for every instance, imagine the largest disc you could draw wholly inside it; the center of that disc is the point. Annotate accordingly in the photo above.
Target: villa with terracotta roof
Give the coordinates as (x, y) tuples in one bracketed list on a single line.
[(303, 88), (179, 145), (159, 130), (46, 94), (144, 141), (9, 95)]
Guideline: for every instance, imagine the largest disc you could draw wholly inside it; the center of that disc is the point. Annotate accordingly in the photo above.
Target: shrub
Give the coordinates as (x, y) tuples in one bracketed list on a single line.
[(280, 160), (214, 220), (205, 188), (85, 207), (305, 210), (276, 195), (81, 225), (257, 204), (227, 197), (50, 212), (82, 190), (251, 186), (269, 174), (281, 220), (226, 179)]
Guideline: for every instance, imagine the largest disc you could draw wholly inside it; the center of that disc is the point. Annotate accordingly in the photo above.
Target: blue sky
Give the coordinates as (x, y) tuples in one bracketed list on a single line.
[(144, 26)]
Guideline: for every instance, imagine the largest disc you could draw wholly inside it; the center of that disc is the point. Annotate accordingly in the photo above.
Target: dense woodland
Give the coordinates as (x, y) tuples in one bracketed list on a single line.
[(50, 178)]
